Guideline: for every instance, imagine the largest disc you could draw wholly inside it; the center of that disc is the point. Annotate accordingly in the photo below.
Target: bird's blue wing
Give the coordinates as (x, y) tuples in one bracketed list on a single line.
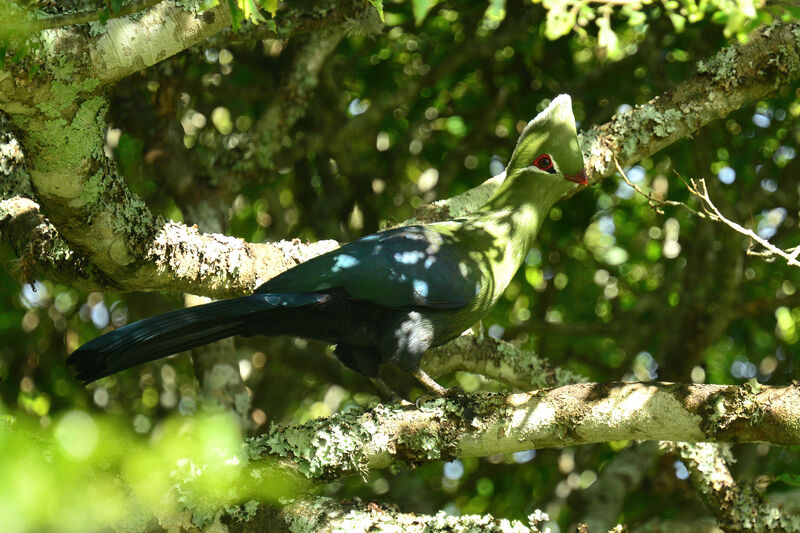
[(409, 266)]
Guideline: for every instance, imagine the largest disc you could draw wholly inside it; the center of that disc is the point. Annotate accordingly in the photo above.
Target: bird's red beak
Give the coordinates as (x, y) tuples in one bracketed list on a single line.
[(579, 178)]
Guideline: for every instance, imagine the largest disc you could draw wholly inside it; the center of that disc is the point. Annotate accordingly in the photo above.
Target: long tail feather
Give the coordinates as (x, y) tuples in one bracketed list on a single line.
[(174, 332)]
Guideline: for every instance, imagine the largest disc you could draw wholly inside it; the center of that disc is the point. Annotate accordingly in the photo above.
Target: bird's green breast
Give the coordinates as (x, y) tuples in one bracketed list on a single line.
[(495, 243)]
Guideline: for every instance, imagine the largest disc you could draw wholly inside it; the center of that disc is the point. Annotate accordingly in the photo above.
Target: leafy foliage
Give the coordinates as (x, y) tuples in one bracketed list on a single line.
[(427, 109)]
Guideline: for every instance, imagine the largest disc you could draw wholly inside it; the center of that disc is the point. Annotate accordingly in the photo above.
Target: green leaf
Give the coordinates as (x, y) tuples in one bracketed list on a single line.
[(679, 21), (748, 8), (378, 5), (790, 479), (250, 10), (560, 19), (635, 16), (496, 10), (205, 5), (116, 6), (456, 126), (102, 15), (237, 17), (271, 6), (606, 38), (421, 9)]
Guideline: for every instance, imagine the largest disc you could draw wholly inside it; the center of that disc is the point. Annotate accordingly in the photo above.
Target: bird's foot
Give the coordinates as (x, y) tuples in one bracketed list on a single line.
[(387, 393), (434, 389), (429, 383), (453, 393)]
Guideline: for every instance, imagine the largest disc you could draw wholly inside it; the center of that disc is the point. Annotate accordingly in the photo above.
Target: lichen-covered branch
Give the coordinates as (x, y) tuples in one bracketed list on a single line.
[(320, 514), (736, 76), (35, 241), (737, 506), (476, 425), (325, 514), (60, 114), (500, 360), (93, 15)]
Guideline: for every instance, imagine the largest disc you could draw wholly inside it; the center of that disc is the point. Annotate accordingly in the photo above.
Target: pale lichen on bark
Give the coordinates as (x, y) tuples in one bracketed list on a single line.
[(498, 360), (737, 506), (474, 425), (324, 514)]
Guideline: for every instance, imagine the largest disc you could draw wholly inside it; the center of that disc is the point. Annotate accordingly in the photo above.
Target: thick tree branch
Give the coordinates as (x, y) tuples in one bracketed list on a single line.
[(82, 17), (521, 369), (325, 514), (737, 507), (321, 514), (35, 241), (479, 425)]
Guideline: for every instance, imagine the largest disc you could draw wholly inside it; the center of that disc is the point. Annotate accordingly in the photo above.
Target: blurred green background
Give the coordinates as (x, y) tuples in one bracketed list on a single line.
[(425, 109)]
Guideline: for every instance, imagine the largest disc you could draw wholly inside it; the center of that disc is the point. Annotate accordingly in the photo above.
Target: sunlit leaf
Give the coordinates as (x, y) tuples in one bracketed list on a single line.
[(271, 6), (378, 4), (421, 9), (560, 18)]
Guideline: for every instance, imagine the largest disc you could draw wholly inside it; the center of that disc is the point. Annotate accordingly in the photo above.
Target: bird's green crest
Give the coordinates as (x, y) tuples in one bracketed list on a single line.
[(551, 132)]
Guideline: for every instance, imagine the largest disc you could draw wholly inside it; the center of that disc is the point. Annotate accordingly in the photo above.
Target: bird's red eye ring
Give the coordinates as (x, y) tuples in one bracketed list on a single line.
[(544, 162)]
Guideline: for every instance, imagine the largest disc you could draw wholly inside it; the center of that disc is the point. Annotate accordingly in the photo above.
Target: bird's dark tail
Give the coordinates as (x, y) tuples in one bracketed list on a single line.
[(176, 331)]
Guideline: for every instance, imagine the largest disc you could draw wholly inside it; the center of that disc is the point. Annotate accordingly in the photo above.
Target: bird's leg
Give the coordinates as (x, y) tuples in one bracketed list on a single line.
[(478, 330), (429, 383), (386, 392)]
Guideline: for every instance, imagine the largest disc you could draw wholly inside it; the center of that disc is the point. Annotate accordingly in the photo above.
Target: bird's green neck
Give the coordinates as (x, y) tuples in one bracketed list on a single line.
[(512, 217), (522, 201)]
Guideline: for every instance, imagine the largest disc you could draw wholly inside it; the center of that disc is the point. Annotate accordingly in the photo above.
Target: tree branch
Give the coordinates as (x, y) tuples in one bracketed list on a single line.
[(737, 507), (500, 360), (82, 17), (35, 241), (325, 514), (479, 425)]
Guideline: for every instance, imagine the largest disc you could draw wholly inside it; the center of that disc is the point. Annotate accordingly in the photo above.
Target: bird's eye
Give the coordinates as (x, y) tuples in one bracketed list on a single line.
[(544, 162)]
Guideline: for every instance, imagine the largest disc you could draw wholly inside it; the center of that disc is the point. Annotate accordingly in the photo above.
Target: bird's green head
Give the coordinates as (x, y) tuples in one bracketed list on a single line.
[(548, 146)]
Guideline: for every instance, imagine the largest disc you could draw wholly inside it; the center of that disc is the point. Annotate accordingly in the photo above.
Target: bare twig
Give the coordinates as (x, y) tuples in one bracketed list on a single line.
[(655, 203), (699, 189)]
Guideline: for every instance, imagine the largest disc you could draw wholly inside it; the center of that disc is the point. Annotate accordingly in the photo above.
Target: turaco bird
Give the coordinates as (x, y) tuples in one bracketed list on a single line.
[(387, 297)]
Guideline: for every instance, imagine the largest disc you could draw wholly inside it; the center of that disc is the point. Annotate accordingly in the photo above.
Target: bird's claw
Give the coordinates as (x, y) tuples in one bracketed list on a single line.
[(387, 393)]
